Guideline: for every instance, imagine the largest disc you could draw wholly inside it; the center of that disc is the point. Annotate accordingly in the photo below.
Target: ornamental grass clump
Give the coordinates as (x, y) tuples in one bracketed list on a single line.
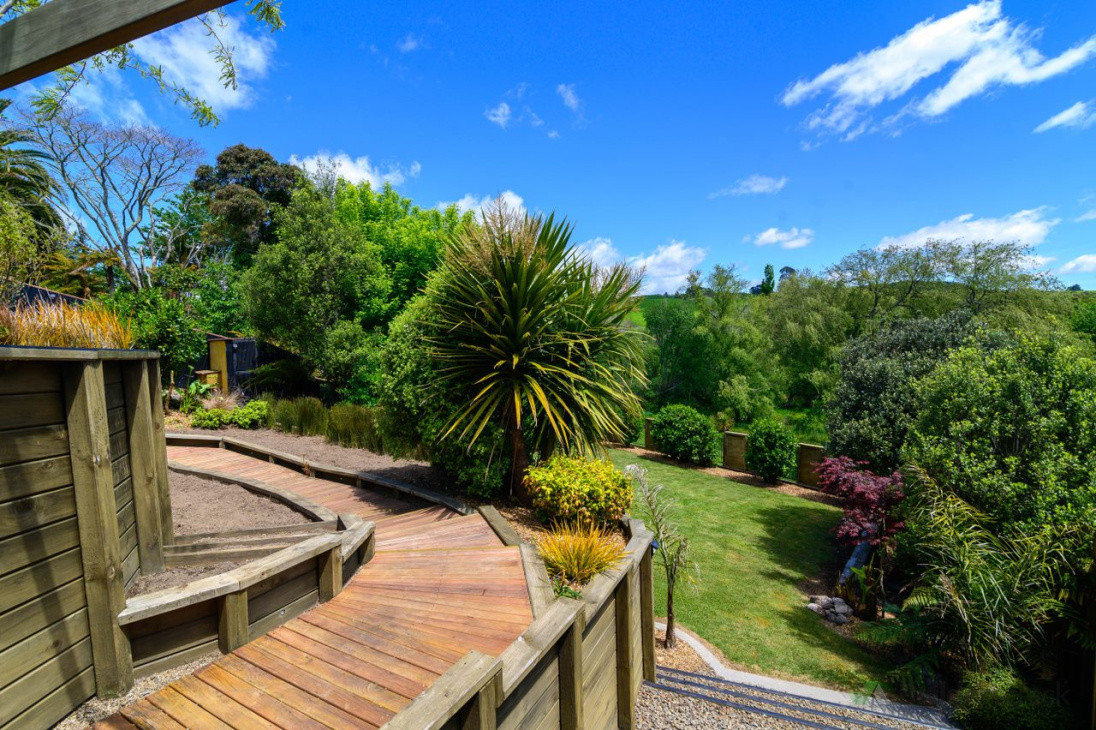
[(576, 552), (578, 489), (354, 426), (64, 325)]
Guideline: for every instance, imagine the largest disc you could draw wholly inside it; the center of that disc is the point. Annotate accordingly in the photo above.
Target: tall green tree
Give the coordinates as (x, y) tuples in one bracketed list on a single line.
[(533, 333), (319, 289), (246, 189)]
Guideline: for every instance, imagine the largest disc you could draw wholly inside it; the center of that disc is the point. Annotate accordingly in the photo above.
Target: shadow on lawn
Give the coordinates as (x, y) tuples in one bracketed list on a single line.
[(798, 538)]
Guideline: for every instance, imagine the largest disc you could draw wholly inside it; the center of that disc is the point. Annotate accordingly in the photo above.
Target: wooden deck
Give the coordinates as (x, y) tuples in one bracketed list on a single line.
[(440, 585)]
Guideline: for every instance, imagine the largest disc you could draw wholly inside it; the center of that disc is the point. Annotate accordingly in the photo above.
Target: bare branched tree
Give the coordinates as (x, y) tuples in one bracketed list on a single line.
[(114, 179)]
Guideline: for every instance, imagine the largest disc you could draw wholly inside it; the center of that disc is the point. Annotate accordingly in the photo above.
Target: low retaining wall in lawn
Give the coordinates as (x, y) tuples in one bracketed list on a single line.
[(807, 456)]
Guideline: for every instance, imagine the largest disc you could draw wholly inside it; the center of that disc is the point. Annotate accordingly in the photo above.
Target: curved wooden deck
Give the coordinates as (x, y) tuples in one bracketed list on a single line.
[(440, 585)]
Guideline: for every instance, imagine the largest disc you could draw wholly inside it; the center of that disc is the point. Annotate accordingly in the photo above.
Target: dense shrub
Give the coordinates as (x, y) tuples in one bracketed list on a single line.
[(575, 553), (286, 378), (868, 499), (355, 427), (1011, 431), (873, 403), (770, 450), (302, 416), (252, 415), (214, 418), (997, 698), (416, 405), (576, 488), (685, 434), (164, 324)]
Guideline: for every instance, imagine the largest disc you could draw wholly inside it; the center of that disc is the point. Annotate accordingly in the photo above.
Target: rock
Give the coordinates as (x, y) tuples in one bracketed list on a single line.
[(840, 620), (815, 607), (844, 609), (838, 601), (815, 599), (825, 601)]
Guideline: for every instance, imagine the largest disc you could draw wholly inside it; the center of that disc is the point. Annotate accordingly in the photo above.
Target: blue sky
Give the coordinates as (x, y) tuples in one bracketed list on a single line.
[(683, 135)]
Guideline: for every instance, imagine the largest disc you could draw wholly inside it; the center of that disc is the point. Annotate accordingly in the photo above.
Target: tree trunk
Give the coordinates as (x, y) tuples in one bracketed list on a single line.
[(671, 638), (519, 462)]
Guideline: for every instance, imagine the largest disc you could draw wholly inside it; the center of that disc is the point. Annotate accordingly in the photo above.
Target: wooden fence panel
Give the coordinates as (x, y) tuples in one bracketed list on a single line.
[(45, 648), (535, 702), (599, 667)]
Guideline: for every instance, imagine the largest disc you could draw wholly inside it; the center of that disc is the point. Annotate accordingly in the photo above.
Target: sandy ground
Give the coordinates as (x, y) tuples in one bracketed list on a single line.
[(316, 448), (204, 505)]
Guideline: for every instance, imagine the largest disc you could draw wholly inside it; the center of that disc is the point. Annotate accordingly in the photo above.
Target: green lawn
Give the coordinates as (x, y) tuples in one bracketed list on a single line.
[(755, 547)]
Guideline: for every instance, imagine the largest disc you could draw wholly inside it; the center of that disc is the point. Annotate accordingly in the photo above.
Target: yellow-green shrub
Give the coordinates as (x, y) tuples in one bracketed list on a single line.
[(64, 325), (577, 552), (575, 488)]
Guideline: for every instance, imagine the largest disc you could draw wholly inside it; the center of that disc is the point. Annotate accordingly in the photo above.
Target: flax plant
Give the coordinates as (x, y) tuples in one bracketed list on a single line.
[(576, 552), (533, 332)]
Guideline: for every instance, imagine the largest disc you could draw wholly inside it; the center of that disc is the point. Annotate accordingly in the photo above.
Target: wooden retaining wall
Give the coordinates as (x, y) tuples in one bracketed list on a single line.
[(79, 518), (579, 665), (807, 456)]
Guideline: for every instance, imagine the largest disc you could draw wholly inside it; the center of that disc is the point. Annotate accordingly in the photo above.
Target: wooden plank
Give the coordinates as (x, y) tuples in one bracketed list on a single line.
[(541, 594), (529, 700), (571, 712), (63, 32), (232, 631), (223, 707), (48, 608), (318, 707), (330, 574), (279, 617), (185, 711), (450, 693), (35, 685), (20, 659), (500, 526), (27, 411), (176, 639), (144, 714), (647, 615), (306, 529), (625, 689), (23, 550), (26, 584), (22, 377), (44, 355), (159, 452), (142, 459), (31, 444), (98, 520), (268, 706), (119, 469), (131, 566), (58, 703), (170, 661), (317, 682), (116, 420), (115, 395)]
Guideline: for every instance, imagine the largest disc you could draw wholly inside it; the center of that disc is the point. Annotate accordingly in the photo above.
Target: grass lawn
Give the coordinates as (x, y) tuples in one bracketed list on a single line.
[(755, 548)]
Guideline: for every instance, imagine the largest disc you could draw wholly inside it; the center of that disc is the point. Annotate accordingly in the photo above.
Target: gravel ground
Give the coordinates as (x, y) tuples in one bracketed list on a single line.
[(660, 709), (96, 709), (203, 505)]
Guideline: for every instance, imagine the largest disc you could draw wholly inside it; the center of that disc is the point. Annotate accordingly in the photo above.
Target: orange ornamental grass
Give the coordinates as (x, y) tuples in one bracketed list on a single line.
[(61, 324), (577, 552)]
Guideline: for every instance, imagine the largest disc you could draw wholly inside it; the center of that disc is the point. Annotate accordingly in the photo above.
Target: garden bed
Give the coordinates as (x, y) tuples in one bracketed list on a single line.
[(204, 505)]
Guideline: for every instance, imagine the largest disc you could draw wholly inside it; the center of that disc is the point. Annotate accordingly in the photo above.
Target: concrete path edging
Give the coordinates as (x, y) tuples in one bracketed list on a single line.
[(917, 713)]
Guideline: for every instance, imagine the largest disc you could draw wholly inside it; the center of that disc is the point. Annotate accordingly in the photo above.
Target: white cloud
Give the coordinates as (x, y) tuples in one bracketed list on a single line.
[(1081, 115), (752, 185), (664, 270), (553, 134), (1084, 264), (475, 204), (1086, 216), (1026, 227), (409, 43), (357, 169), (185, 52), (667, 268), (570, 98), (791, 238), (500, 115), (988, 49)]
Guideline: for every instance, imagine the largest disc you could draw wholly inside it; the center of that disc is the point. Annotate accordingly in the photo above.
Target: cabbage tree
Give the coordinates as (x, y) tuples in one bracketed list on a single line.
[(533, 332)]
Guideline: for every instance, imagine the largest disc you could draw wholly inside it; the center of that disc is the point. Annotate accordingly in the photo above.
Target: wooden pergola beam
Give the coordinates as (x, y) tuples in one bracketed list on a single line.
[(62, 32)]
